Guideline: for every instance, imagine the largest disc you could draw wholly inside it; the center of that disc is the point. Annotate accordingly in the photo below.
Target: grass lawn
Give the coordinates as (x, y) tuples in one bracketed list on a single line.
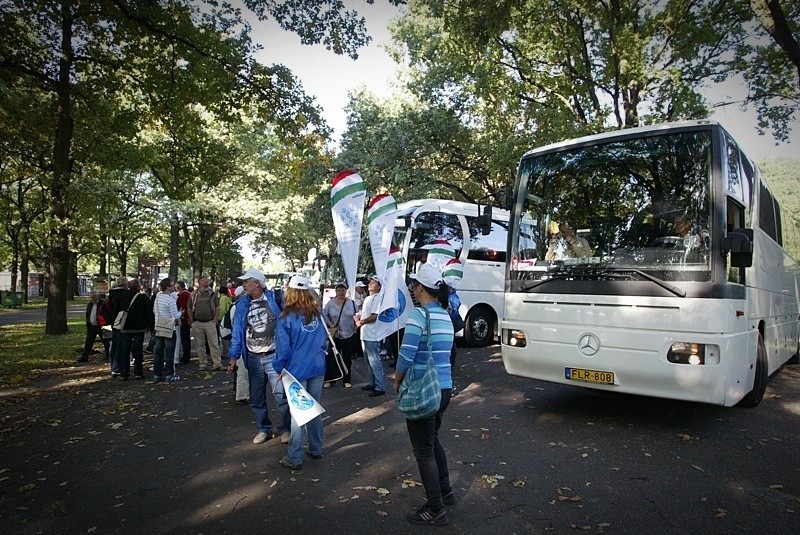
[(25, 350)]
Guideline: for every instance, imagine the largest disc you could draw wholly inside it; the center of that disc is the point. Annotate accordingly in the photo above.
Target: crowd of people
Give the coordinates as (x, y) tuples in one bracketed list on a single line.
[(268, 335)]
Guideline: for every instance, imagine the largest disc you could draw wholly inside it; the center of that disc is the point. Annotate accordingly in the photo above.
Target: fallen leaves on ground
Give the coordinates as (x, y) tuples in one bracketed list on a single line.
[(494, 480)]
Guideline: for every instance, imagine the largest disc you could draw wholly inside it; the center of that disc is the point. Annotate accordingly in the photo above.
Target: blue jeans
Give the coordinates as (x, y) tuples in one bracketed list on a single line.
[(260, 372), (313, 429), (372, 349), (163, 356), (430, 455)]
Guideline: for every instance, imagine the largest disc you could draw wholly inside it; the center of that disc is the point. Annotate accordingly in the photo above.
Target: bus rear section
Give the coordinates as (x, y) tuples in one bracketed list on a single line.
[(654, 264)]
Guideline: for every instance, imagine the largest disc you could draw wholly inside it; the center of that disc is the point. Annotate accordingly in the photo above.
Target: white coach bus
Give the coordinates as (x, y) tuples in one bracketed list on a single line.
[(655, 266), (483, 257)]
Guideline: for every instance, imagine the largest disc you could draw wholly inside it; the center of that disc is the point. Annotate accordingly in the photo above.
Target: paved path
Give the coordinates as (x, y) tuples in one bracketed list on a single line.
[(37, 315), (88, 454)]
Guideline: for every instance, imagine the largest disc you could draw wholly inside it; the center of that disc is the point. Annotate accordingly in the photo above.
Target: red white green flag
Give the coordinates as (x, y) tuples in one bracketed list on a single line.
[(453, 272), (347, 208), (380, 225), (440, 252)]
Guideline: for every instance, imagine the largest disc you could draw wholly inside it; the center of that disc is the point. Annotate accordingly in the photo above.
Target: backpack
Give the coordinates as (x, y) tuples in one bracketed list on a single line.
[(226, 321), (104, 313)]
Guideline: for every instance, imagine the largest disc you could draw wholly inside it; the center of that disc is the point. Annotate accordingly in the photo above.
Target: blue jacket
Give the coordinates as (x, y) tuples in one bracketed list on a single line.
[(300, 347), (238, 347)]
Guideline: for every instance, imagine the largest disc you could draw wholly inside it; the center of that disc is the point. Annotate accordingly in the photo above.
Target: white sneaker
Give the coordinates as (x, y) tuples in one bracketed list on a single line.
[(326, 385), (260, 438), (285, 437)]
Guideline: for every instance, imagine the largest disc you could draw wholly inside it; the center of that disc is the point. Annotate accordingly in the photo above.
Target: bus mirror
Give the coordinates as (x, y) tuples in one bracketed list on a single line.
[(485, 221), (739, 242)]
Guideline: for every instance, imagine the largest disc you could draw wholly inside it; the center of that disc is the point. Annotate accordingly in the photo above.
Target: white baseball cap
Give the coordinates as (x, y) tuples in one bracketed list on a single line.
[(428, 276), (253, 273), (238, 291), (360, 284), (299, 282)]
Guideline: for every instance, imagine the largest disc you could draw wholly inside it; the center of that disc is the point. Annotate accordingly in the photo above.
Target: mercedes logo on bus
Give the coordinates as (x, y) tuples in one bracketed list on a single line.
[(589, 344)]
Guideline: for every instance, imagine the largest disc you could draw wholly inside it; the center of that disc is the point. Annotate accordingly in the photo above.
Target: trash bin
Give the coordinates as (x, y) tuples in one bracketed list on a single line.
[(11, 299)]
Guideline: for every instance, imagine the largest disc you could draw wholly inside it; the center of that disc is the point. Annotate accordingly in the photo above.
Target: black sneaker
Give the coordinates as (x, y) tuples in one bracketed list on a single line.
[(376, 393), (449, 498), (425, 515), (367, 387)]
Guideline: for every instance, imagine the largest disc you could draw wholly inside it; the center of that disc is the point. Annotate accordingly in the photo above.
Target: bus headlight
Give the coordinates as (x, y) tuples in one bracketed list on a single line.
[(514, 338), (693, 353)]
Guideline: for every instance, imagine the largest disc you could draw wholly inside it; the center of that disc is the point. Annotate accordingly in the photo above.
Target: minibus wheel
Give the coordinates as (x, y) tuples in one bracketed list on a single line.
[(760, 384), (479, 329)]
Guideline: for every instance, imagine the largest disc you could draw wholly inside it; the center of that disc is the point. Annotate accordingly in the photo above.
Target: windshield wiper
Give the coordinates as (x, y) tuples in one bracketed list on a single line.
[(664, 284), (596, 273)]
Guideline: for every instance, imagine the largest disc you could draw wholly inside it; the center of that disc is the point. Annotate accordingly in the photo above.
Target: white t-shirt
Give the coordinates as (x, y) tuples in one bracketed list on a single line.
[(369, 331)]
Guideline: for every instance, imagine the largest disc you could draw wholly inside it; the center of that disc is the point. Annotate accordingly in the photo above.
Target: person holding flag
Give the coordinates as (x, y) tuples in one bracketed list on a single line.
[(301, 345)]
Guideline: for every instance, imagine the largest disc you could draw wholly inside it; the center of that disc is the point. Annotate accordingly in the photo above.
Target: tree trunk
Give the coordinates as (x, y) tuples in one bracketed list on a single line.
[(58, 260), (782, 34), (174, 243), (103, 246), (24, 263)]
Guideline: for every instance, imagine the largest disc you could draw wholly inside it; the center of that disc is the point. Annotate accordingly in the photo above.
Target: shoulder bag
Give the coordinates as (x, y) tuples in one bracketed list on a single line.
[(164, 325), (420, 398), (122, 315)]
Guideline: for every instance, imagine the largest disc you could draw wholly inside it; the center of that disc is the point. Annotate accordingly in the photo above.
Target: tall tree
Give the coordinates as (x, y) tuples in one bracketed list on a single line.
[(521, 73), (771, 65), (88, 51)]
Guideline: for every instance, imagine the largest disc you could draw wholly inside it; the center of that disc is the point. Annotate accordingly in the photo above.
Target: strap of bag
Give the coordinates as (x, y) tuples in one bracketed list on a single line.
[(340, 313), (131, 303), (428, 333)]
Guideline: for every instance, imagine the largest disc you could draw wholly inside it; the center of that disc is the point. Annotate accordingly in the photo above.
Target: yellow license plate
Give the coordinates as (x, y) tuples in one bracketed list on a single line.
[(589, 376)]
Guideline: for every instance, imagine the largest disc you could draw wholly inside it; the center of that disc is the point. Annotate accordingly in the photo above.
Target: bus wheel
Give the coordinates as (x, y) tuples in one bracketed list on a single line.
[(479, 330), (760, 384)]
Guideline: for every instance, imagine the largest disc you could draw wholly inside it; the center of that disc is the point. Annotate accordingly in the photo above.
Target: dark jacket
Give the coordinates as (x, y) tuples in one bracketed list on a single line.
[(89, 310), (140, 313), (115, 295)]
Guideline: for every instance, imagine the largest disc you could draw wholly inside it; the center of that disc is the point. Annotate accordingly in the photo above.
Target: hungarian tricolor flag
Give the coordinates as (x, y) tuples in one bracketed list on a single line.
[(347, 208), (380, 225)]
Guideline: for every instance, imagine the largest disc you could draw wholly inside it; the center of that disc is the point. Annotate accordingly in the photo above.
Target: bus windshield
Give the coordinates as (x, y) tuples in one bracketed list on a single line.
[(636, 206)]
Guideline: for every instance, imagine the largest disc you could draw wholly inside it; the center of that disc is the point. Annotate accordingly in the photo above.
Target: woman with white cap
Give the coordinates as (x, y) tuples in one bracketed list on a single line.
[(302, 342), (429, 333)]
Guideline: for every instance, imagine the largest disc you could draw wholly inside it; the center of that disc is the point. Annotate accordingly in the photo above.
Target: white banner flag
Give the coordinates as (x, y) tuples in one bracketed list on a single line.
[(380, 225), (302, 406), (440, 252), (347, 208), (396, 302)]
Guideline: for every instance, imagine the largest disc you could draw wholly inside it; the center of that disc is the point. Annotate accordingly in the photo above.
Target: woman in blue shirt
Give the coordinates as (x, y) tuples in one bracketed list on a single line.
[(300, 346), (431, 293)]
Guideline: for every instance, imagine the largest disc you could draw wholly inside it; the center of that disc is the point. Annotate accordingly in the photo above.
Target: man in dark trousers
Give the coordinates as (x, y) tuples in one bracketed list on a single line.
[(93, 328), (115, 295)]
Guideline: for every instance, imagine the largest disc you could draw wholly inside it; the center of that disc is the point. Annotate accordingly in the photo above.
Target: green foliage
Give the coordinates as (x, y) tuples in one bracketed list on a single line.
[(770, 61), (783, 177)]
